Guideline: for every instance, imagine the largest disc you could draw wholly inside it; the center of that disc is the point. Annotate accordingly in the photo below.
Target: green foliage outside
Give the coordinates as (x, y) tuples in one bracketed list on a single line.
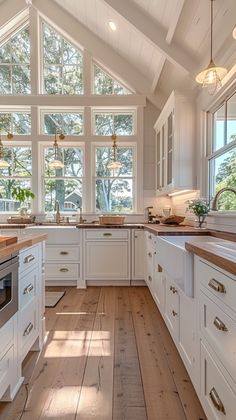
[(226, 177)]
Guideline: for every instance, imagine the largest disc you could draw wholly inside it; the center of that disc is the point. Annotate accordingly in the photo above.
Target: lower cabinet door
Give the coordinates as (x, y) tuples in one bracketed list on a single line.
[(187, 333), (28, 328), (106, 260), (6, 366), (218, 398), (171, 312)]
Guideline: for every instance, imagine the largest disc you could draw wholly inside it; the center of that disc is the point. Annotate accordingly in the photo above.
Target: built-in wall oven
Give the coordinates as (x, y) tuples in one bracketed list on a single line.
[(8, 287)]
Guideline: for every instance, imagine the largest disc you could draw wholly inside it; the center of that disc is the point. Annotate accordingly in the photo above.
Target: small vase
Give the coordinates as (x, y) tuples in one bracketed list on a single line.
[(199, 222)]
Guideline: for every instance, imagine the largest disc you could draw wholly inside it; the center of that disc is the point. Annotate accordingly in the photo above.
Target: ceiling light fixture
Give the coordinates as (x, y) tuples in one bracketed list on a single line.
[(56, 163), (234, 32), (3, 163), (112, 25), (115, 164), (211, 77)]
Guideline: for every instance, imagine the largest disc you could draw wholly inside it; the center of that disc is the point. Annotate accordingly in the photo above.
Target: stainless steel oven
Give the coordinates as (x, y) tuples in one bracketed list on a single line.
[(8, 287)]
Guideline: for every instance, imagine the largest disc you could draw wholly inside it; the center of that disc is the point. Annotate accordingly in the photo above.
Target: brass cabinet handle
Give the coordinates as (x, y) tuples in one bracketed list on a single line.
[(217, 286), (135, 236), (64, 270), (28, 289), (107, 234), (150, 254), (64, 253), (149, 236), (29, 259), (149, 278), (28, 329), (219, 324), (216, 401), (173, 289), (174, 313)]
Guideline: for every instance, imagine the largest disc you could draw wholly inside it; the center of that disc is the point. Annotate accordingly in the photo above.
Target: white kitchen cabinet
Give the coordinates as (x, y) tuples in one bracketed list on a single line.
[(150, 253), (138, 271), (172, 308), (63, 265), (175, 145), (107, 256)]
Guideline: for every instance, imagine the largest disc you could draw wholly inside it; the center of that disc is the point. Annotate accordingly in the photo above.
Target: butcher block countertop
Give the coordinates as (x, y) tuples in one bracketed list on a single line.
[(22, 242)]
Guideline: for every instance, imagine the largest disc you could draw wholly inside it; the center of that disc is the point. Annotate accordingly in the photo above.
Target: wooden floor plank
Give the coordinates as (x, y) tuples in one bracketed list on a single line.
[(128, 401), (97, 389), (161, 395)]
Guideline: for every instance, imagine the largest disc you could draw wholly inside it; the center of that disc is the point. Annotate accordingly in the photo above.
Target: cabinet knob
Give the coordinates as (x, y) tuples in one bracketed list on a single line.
[(219, 324), (217, 286), (173, 289), (174, 313), (216, 401), (150, 254), (149, 278), (149, 237), (64, 270)]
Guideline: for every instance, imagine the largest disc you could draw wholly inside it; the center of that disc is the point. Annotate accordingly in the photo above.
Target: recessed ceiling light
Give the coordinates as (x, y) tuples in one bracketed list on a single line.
[(234, 32), (112, 25)]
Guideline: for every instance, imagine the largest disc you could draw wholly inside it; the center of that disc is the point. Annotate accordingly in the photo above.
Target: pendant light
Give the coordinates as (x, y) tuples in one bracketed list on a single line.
[(114, 163), (3, 163), (211, 77), (56, 163)]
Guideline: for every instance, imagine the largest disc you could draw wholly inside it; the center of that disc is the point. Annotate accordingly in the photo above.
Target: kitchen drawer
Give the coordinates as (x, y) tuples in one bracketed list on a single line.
[(28, 258), (57, 234), (28, 328), (217, 395), (62, 271), (172, 308), (6, 335), (28, 288), (63, 253), (219, 329), (222, 286), (106, 234), (6, 368)]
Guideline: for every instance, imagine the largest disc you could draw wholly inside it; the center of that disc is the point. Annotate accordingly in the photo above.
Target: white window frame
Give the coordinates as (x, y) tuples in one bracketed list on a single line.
[(42, 146), (132, 145), (60, 110), (112, 76), (114, 111), (17, 110)]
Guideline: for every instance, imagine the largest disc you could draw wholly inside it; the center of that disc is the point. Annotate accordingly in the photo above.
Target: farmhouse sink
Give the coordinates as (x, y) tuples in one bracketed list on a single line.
[(177, 261)]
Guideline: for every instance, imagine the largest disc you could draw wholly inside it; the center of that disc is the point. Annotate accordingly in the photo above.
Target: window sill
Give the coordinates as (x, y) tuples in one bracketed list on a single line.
[(222, 213)]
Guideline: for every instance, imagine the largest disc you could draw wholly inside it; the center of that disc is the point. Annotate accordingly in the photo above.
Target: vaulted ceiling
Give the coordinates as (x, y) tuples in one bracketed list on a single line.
[(159, 44)]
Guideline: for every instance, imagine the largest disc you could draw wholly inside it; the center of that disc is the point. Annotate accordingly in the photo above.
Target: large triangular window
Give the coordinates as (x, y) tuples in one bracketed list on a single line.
[(62, 65), (15, 63), (105, 84)]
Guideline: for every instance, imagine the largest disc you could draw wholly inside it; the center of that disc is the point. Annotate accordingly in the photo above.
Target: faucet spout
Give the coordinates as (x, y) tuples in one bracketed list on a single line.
[(218, 194)]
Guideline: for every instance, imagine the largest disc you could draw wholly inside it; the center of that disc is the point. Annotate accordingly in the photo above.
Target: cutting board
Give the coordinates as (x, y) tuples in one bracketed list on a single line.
[(7, 240)]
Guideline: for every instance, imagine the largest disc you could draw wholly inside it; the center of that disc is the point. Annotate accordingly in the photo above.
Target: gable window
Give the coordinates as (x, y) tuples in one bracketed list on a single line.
[(114, 189), (64, 185), (104, 84), (68, 123), (15, 64), (62, 64), (15, 122), (18, 174), (106, 123), (222, 161)]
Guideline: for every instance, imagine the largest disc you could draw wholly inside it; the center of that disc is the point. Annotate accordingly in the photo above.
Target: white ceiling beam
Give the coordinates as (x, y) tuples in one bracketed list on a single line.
[(98, 48), (154, 33), (170, 34)]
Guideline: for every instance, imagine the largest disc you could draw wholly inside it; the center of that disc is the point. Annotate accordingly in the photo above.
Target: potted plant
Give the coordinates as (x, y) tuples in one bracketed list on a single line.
[(23, 195), (200, 208)]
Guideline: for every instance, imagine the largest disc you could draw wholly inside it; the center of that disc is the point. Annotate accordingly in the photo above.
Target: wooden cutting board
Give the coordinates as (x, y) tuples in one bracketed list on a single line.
[(7, 240)]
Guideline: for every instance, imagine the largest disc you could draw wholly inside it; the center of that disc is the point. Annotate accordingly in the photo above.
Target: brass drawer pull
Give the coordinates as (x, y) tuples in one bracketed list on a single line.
[(217, 286), (29, 259), (219, 324), (173, 289), (28, 329), (217, 401), (107, 234), (149, 236), (64, 270), (64, 253), (150, 254), (28, 289), (174, 313), (149, 278)]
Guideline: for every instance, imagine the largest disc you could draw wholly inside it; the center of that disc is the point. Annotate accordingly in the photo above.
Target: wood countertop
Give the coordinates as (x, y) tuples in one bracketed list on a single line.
[(221, 253), (174, 230), (23, 242)]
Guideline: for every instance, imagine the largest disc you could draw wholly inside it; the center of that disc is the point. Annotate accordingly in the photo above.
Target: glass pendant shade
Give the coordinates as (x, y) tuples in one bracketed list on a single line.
[(114, 164), (56, 163), (211, 77)]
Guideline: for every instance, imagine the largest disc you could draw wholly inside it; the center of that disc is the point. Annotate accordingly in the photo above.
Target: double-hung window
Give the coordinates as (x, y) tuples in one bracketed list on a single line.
[(122, 123), (222, 160), (115, 189), (63, 185)]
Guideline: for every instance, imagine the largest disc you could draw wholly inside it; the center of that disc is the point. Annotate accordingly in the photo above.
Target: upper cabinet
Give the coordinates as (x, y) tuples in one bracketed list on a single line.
[(175, 145)]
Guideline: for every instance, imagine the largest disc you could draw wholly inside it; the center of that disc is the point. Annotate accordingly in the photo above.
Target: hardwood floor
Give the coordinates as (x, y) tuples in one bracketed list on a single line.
[(108, 356)]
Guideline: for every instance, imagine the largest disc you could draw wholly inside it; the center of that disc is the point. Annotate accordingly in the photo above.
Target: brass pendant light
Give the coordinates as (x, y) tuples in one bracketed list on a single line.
[(114, 164), (211, 77), (56, 163)]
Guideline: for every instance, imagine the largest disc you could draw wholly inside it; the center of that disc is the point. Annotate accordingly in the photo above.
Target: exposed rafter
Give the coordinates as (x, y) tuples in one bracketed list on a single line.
[(154, 33), (98, 48)]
